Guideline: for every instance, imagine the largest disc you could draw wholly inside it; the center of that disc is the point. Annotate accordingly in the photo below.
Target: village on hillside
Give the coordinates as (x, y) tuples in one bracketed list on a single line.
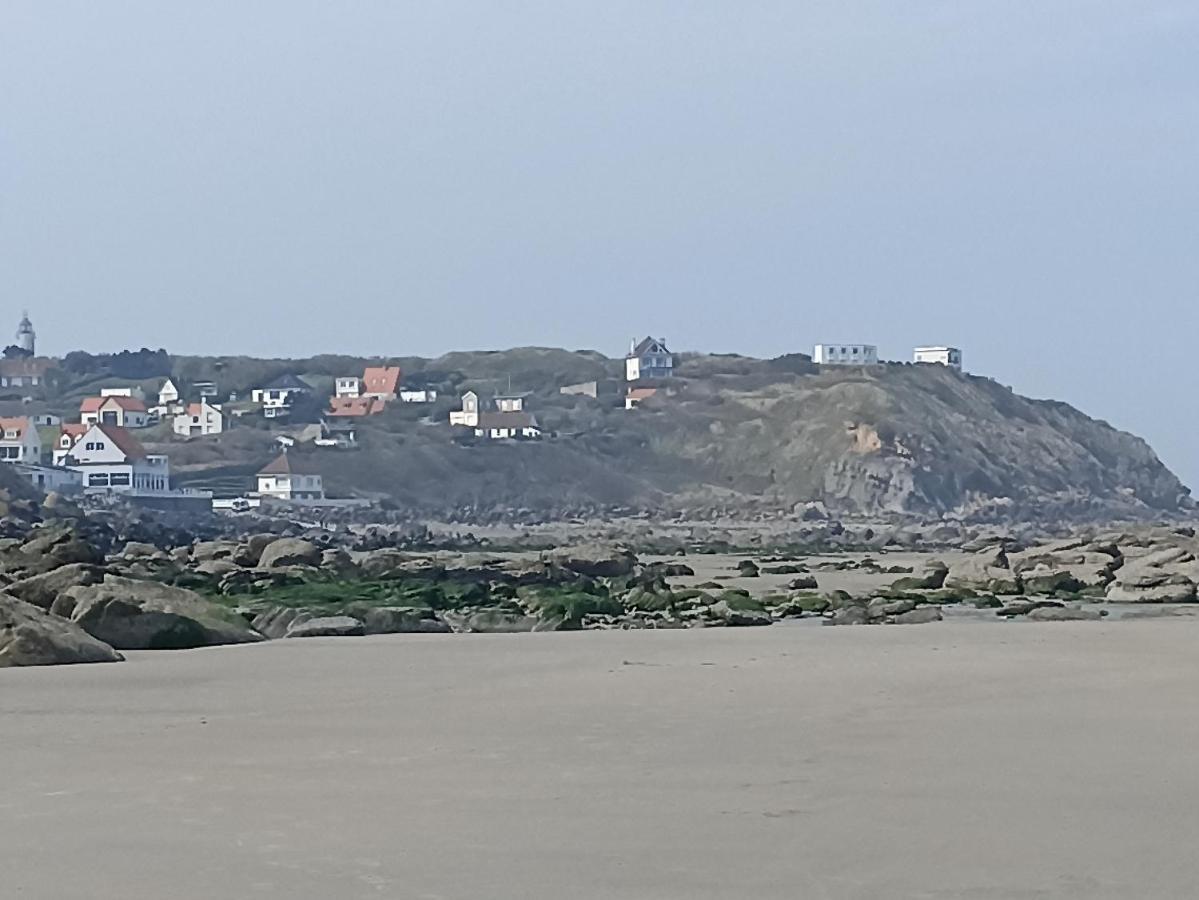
[(99, 449)]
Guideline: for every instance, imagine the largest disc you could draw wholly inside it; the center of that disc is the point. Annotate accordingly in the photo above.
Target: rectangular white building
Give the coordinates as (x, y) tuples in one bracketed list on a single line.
[(845, 355), (109, 458), (941, 356)]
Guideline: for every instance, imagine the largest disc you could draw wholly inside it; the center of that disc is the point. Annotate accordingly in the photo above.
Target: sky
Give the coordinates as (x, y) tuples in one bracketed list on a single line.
[(282, 178)]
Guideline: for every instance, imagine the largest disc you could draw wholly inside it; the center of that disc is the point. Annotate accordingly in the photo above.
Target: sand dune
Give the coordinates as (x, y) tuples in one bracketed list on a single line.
[(949, 761)]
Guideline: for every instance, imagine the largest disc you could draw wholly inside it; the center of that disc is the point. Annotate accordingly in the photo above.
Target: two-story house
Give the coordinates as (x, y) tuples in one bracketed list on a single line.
[(278, 396), (110, 459), (198, 420), (122, 411), (347, 386), (290, 477), (19, 440), (468, 416), (649, 359), (845, 354)]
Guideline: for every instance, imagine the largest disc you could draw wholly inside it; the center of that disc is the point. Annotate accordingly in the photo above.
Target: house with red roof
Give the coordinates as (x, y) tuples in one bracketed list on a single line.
[(110, 459), (355, 407), (19, 440), (122, 411), (381, 381), (290, 477)]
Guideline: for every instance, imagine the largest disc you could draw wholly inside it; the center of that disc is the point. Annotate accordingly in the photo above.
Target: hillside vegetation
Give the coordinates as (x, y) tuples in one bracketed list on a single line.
[(729, 433)]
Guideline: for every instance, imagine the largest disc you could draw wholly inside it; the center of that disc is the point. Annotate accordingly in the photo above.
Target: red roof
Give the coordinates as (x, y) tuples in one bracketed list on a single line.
[(73, 430), (18, 423), (95, 404), (381, 379), (355, 406), (124, 441), (641, 393)]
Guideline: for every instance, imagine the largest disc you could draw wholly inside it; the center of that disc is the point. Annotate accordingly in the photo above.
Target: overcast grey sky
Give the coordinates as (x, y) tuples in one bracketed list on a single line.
[(284, 178)]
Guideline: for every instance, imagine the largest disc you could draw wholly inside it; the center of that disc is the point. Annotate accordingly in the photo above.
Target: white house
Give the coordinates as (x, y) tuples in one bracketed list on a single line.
[(288, 477), (636, 396), (499, 426), (422, 396), (941, 356), (110, 459), (649, 359), (168, 394), (122, 411), (347, 386), (19, 440), (468, 416), (199, 419), (278, 396), (846, 355)]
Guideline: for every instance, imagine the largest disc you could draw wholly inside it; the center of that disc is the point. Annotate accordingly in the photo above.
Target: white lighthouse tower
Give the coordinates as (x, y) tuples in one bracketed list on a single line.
[(25, 335)]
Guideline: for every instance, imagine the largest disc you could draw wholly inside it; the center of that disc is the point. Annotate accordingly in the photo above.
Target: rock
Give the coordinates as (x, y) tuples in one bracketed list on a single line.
[(885, 606), (932, 579), (985, 571), (203, 551), (847, 615), (1049, 583), (290, 552), (138, 550), (747, 568), (32, 637), (327, 626), (144, 615), (496, 622), (596, 561), (403, 620), (275, 622), (739, 617), (42, 590), (803, 583), (920, 616), (1149, 589), (1064, 614), (249, 553), (786, 569), (217, 568)]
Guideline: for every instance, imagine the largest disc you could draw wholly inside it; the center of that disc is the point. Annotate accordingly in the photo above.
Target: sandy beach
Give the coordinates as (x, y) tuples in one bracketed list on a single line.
[(949, 761)]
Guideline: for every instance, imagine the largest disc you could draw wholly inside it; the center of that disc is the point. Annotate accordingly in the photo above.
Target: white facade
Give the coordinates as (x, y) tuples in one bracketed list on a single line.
[(110, 461), (468, 416), (119, 410), (26, 337), (135, 392), (50, 478), (510, 403), (846, 354), (348, 386), (291, 487), (425, 396), (19, 440), (942, 356), (168, 394), (198, 420)]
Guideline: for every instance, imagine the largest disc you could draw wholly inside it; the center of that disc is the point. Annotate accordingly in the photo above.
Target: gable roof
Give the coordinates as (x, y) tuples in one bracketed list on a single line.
[(287, 382), (95, 404), (355, 406), (647, 344), (73, 430), (123, 441), (20, 424), (288, 464), (381, 379)]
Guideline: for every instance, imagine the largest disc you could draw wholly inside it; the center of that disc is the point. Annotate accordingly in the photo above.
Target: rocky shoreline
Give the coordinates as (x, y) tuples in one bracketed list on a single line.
[(82, 587)]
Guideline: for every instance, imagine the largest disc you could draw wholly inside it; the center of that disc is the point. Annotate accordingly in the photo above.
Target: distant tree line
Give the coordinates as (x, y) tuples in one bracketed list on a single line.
[(132, 364)]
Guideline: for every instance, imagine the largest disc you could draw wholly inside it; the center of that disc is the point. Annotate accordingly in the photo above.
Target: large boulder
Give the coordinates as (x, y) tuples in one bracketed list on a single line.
[(921, 616), (327, 626), (597, 561), (290, 552), (739, 614), (32, 637), (403, 620), (987, 570), (145, 615), (1064, 614), (42, 590)]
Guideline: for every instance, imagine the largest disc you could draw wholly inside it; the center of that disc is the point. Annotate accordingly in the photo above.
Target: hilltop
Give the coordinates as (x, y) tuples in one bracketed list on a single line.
[(736, 434)]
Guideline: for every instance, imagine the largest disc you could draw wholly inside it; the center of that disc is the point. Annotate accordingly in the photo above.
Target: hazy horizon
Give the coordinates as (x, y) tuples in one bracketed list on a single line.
[(406, 179)]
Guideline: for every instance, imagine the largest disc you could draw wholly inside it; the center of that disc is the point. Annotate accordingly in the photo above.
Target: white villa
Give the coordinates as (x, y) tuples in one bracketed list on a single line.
[(110, 459), (845, 355), (941, 356), (199, 419), (468, 416), (348, 386), (505, 421), (649, 359), (290, 478), (19, 440)]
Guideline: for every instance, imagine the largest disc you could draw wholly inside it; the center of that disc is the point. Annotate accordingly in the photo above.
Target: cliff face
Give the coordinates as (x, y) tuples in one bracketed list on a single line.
[(911, 439)]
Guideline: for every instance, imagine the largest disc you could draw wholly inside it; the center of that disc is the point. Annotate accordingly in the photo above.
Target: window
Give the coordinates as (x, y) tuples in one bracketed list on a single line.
[(119, 479), (99, 479)]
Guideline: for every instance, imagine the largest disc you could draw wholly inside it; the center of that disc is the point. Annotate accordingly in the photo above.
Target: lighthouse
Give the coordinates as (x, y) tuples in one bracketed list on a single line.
[(25, 335)]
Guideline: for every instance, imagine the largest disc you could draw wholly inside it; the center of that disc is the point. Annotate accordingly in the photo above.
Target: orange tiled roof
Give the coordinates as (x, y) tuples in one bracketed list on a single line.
[(381, 379), (355, 406), (18, 423)]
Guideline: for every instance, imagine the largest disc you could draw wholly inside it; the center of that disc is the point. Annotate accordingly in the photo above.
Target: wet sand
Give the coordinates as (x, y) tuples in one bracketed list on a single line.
[(947, 761)]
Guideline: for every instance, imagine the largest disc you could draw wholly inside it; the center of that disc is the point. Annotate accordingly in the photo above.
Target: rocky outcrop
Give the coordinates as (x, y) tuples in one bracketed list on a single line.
[(42, 590), (326, 626), (596, 561), (142, 615), (289, 552), (30, 636)]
